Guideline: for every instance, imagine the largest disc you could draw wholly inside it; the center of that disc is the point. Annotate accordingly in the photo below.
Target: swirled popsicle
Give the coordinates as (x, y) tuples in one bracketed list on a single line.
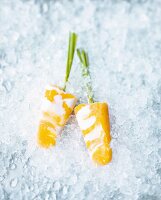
[(57, 105), (93, 119)]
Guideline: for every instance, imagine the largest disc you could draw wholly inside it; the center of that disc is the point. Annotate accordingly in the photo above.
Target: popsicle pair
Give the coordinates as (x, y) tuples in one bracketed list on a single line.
[(93, 118)]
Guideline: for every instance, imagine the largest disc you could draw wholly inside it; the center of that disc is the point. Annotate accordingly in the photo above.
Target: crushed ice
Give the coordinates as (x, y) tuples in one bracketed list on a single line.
[(123, 39)]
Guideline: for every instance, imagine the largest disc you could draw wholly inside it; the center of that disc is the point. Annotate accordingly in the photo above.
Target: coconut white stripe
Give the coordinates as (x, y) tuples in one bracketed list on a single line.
[(86, 123), (83, 112), (58, 105), (83, 120), (70, 102), (94, 134), (55, 107)]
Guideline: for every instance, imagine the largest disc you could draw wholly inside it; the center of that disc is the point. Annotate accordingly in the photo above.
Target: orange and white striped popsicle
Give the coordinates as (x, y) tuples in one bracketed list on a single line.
[(57, 107), (93, 119), (57, 104)]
